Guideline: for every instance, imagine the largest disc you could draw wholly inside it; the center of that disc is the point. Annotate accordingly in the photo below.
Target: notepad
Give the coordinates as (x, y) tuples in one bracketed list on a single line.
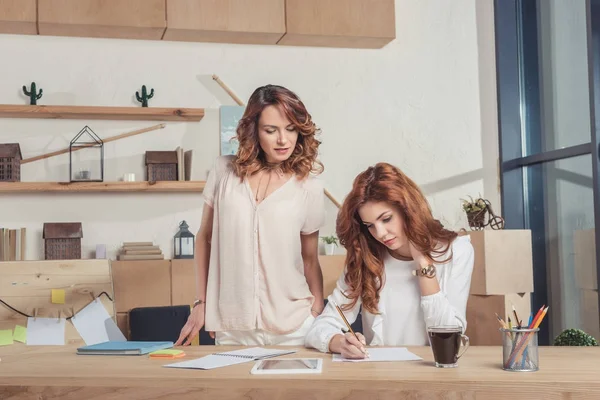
[(383, 354), (123, 348), (218, 360)]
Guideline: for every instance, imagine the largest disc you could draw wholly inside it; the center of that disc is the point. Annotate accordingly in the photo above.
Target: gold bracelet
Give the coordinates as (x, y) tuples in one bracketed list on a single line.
[(428, 271)]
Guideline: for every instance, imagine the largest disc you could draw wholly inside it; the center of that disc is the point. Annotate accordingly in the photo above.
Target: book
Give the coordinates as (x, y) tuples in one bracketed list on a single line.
[(224, 359), (116, 348)]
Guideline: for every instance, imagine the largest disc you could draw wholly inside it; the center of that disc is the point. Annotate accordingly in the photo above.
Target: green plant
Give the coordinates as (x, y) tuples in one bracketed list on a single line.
[(329, 239), (145, 96), (574, 337), (33, 95), (473, 205)]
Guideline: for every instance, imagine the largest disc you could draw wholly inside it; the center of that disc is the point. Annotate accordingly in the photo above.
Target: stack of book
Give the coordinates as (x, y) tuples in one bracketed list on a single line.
[(140, 251), (12, 244)]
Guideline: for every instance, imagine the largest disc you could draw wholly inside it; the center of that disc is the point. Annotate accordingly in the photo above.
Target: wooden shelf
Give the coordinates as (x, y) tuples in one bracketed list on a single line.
[(84, 187), (105, 113)]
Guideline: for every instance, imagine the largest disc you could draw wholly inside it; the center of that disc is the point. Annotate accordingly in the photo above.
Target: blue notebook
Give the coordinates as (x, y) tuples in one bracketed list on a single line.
[(123, 348)]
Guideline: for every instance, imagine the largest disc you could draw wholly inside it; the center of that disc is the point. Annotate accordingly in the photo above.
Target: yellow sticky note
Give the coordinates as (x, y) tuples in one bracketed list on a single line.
[(20, 334), (58, 296), (6, 337), (166, 352)]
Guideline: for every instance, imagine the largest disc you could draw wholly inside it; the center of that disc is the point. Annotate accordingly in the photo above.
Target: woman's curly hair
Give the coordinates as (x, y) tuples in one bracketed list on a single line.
[(364, 259), (251, 158)]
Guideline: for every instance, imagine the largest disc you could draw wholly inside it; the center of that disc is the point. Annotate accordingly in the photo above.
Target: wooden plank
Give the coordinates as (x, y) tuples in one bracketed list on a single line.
[(332, 267), (27, 285), (144, 283), (340, 23), (101, 113), (18, 17), (86, 187), (123, 323), (55, 267), (183, 282), (226, 21), (131, 19)]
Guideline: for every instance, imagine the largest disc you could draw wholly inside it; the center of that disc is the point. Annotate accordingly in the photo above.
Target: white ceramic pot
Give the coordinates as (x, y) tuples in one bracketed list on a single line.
[(330, 249)]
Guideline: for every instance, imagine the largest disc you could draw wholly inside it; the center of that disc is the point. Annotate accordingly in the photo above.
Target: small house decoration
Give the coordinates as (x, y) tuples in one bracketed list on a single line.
[(161, 165), (145, 96), (10, 162), (33, 95), (184, 242), (477, 210), (86, 157), (62, 240)]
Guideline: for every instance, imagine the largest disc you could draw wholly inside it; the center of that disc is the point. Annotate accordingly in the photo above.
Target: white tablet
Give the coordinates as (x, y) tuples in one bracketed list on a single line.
[(288, 366)]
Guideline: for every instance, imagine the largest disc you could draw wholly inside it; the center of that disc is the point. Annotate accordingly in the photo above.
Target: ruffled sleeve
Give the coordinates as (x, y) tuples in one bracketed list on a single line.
[(314, 206)]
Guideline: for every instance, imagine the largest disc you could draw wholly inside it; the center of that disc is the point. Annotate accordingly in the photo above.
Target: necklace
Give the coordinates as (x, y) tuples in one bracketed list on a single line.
[(258, 187)]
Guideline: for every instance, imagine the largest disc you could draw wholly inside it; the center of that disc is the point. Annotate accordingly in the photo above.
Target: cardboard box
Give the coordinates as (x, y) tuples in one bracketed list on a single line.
[(503, 262), (588, 309), (143, 283), (482, 324), (332, 267), (584, 247)]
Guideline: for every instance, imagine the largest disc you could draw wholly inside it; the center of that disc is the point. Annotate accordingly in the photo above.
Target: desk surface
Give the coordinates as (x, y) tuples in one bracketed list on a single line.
[(57, 372)]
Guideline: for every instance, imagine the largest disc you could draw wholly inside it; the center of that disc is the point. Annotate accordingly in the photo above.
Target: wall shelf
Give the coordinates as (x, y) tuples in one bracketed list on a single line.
[(85, 187), (99, 112)]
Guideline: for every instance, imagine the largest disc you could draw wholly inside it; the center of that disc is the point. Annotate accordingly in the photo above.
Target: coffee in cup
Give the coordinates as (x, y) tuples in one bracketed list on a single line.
[(445, 343)]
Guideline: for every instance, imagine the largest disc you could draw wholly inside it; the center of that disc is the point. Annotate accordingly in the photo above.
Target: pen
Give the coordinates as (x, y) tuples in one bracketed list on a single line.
[(339, 310)]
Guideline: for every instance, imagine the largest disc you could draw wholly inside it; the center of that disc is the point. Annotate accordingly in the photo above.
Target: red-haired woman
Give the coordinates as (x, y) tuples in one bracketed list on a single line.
[(406, 270), (258, 274)]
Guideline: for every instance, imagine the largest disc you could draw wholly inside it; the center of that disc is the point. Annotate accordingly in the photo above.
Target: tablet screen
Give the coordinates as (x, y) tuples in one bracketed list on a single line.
[(306, 364)]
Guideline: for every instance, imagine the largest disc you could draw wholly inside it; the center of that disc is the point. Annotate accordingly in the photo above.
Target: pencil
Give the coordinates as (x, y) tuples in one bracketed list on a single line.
[(517, 320), (339, 310), (525, 341)]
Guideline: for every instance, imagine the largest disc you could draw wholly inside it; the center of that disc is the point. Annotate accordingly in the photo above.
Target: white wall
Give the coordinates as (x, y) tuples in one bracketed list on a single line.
[(416, 103)]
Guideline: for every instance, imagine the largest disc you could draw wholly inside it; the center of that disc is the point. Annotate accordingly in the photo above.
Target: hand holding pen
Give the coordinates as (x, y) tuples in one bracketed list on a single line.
[(352, 344)]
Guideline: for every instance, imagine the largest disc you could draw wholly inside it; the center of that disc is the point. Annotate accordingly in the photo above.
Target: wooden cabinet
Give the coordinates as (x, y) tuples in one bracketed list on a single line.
[(130, 19), (18, 17), (227, 21), (339, 23)]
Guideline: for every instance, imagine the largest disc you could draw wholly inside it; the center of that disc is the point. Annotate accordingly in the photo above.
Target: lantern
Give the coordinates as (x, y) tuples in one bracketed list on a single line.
[(86, 157), (184, 242)]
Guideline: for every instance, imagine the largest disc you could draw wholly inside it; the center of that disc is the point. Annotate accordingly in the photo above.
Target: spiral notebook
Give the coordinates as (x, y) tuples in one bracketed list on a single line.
[(218, 360)]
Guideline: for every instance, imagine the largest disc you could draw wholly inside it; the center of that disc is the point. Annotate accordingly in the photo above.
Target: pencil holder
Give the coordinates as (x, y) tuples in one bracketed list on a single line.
[(520, 349)]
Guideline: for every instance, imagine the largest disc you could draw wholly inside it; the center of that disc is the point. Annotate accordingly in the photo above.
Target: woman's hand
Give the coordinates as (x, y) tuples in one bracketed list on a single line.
[(192, 327), (419, 257), (351, 348)]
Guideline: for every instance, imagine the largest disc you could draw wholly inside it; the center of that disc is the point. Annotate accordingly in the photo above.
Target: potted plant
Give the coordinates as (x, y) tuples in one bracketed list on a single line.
[(475, 210), (330, 244), (575, 337)]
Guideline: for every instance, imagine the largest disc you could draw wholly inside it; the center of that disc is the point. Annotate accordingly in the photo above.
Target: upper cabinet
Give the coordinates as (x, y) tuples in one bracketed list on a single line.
[(124, 19), (340, 23), (325, 23), (18, 17), (226, 21)]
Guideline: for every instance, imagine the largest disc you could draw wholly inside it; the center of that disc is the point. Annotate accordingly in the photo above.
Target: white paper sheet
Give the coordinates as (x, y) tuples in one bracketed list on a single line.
[(95, 325), (383, 354), (45, 331), (227, 358), (210, 362)]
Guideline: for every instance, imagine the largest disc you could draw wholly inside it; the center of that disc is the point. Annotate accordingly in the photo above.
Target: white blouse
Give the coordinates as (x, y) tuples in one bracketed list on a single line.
[(404, 313), (256, 271)]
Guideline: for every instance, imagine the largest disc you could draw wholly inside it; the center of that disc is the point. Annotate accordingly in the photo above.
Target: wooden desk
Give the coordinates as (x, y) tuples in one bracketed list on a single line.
[(57, 372)]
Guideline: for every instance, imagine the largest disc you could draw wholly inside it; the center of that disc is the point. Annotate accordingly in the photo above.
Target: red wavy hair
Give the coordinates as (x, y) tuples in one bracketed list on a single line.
[(364, 260), (250, 156)]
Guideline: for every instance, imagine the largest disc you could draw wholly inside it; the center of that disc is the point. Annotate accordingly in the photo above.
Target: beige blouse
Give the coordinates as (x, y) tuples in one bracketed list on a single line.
[(256, 272)]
